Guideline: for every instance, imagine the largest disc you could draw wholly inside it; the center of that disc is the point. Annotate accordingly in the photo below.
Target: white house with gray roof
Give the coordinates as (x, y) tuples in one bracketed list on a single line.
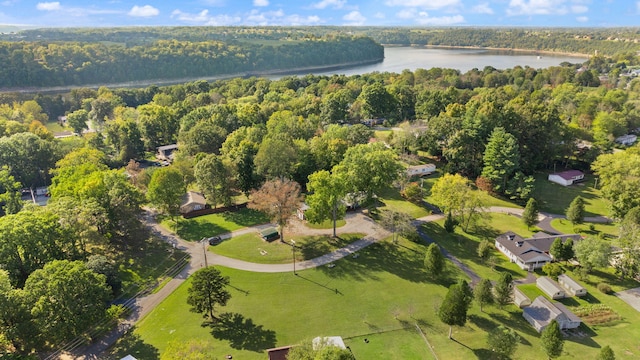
[(532, 253), (542, 311)]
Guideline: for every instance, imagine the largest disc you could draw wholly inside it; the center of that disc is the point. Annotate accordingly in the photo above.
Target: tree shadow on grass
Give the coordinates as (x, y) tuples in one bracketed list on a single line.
[(245, 217), (192, 230), (482, 322), (242, 333), (132, 344), (515, 321)]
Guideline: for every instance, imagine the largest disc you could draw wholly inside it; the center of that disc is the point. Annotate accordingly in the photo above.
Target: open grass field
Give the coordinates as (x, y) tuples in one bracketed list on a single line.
[(251, 247), (555, 198), (464, 245), (214, 224), (379, 296), (609, 230)]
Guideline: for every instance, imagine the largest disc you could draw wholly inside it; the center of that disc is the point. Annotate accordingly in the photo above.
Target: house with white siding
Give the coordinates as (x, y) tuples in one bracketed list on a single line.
[(571, 286), (531, 253), (550, 287), (542, 311)]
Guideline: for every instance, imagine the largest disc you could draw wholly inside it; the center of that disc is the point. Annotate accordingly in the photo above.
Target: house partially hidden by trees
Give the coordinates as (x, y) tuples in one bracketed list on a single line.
[(566, 178), (532, 253), (166, 152), (542, 312), (421, 170), (192, 201), (550, 287), (571, 286)]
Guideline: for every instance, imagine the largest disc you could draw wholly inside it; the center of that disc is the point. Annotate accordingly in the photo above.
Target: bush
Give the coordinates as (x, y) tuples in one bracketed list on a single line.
[(605, 288)]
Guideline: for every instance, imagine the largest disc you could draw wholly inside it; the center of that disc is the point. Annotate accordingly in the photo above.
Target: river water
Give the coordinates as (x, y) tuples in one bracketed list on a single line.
[(398, 59)]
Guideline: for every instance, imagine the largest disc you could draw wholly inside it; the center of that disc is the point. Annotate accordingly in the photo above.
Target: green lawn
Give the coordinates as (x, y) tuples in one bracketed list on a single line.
[(327, 224), (464, 245), (555, 198), (54, 126), (391, 199), (564, 226), (379, 296), (215, 224), (251, 247)]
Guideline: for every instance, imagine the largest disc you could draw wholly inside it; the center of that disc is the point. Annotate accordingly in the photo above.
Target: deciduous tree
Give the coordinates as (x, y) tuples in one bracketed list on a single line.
[(483, 293), (166, 189), (396, 222), (619, 175), (503, 341), (326, 192), (592, 253), (213, 175), (279, 199), (207, 290)]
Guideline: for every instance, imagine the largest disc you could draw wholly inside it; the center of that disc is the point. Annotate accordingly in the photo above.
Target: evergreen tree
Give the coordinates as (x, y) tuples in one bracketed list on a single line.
[(504, 289), (484, 248), (530, 214), (606, 354), (501, 159), (503, 341), (552, 340), (557, 249), (483, 293), (453, 310), (575, 212), (434, 260)]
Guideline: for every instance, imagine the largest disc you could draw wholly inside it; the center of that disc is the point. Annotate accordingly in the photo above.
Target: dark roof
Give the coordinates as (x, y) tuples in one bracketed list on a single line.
[(279, 353), (527, 249), (268, 232), (569, 174)]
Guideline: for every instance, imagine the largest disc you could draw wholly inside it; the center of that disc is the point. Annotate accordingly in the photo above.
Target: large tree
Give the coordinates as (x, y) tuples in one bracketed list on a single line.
[(279, 199), (369, 168), (503, 341), (453, 194), (213, 175), (166, 189), (326, 192), (592, 252), (552, 340), (80, 300), (627, 264), (396, 222), (28, 158), (434, 261), (10, 195), (619, 175), (207, 290), (277, 157), (501, 159), (453, 310)]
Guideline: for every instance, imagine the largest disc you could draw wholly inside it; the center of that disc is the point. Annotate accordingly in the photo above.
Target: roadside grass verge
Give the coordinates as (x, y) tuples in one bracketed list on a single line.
[(555, 198), (251, 247)]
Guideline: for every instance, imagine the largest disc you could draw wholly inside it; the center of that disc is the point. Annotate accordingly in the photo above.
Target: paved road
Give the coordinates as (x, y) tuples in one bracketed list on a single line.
[(355, 223)]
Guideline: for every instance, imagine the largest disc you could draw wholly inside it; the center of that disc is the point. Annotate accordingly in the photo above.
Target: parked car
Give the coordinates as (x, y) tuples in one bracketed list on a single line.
[(214, 240)]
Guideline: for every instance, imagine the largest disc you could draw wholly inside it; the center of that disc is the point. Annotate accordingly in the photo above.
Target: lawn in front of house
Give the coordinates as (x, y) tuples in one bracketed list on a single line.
[(204, 226), (555, 198), (252, 248), (464, 245), (390, 199), (608, 230)]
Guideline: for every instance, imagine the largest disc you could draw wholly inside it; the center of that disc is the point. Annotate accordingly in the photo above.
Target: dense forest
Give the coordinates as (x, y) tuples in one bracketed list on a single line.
[(42, 64)]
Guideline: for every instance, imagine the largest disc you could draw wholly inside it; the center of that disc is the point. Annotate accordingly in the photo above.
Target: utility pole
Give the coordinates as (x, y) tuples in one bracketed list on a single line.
[(293, 253), (204, 251)]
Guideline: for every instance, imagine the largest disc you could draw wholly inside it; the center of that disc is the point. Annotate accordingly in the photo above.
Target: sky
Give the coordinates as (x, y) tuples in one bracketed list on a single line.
[(545, 13)]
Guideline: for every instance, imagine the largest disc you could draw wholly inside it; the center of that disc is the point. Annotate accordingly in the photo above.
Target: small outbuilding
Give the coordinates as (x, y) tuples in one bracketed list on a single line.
[(550, 287), (270, 234), (279, 353), (321, 342), (626, 140), (571, 286), (192, 201), (301, 210), (566, 178), (520, 299), (542, 312)]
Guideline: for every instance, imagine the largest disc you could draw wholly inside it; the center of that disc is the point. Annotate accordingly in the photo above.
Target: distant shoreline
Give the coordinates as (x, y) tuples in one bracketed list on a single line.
[(531, 51)]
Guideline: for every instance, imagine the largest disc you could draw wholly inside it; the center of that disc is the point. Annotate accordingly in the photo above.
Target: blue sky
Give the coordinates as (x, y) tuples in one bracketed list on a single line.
[(322, 12)]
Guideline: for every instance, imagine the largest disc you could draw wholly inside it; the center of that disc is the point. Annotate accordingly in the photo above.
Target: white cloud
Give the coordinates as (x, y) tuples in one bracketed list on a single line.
[(260, 2), (582, 18), (424, 4), (406, 14), (579, 9), (440, 21), (638, 7), (354, 18), (143, 11), (323, 4), (536, 7), (379, 15), (482, 9), (49, 6), (203, 18)]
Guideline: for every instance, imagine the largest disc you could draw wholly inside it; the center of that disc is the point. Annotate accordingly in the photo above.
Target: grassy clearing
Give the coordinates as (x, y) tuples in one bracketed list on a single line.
[(380, 296), (391, 199), (251, 247), (54, 126), (464, 245), (555, 198), (214, 224), (564, 226), (327, 224)]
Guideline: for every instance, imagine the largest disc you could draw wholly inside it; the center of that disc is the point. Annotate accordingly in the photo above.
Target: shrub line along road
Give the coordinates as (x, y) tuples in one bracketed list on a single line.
[(355, 223)]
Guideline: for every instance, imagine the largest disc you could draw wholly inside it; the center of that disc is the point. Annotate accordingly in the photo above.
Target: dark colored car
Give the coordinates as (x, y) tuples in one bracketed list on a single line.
[(214, 240)]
